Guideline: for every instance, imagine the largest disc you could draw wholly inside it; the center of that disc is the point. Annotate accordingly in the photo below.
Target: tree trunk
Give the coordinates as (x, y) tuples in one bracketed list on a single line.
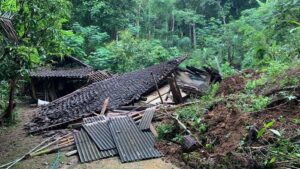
[(190, 31), (194, 35), (181, 34), (10, 107), (117, 35), (33, 91), (138, 20), (173, 22)]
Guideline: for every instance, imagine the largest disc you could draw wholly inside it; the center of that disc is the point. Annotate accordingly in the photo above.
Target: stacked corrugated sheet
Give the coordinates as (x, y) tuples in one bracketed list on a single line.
[(131, 142), (87, 149), (99, 132), (104, 137)]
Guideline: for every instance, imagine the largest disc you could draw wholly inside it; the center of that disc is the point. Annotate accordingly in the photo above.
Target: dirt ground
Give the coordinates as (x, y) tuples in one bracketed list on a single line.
[(15, 143)]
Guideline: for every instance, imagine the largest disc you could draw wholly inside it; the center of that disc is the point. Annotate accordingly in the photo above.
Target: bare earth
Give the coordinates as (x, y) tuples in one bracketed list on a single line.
[(14, 143)]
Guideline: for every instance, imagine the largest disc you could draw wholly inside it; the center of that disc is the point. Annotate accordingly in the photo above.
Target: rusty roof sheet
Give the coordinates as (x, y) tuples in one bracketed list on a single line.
[(62, 73), (88, 150), (121, 90), (132, 143), (100, 134), (147, 118)]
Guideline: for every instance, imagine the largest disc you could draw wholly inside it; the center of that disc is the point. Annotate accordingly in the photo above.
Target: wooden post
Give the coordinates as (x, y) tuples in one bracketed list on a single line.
[(161, 100), (177, 98)]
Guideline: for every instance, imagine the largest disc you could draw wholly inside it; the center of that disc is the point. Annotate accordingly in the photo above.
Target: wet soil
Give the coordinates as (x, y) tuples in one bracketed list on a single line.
[(236, 83)]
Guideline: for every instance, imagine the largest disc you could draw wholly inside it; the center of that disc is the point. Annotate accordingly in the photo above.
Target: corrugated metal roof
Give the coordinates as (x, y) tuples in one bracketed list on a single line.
[(132, 143), (100, 134), (94, 119), (88, 150), (146, 119)]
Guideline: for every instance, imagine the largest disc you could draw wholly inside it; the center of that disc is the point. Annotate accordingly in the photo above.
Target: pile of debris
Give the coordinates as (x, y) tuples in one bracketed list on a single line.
[(121, 90), (113, 116)]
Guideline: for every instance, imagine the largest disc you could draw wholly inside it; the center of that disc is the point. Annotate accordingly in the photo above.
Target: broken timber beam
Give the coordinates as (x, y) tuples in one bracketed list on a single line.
[(177, 97), (156, 85), (104, 106)]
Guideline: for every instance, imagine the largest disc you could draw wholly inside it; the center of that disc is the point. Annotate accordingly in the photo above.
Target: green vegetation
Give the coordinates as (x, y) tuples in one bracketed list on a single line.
[(126, 35), (165, 130)]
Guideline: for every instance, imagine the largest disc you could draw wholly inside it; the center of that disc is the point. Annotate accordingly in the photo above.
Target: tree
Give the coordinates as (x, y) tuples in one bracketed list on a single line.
[(40, 34), (109, 15)]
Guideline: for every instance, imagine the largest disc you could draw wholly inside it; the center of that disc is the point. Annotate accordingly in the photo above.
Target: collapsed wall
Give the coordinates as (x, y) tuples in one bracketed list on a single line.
[(120, 90)]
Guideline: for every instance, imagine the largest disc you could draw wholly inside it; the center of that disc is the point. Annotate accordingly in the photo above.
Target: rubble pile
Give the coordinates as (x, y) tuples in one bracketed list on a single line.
[(120, 90)]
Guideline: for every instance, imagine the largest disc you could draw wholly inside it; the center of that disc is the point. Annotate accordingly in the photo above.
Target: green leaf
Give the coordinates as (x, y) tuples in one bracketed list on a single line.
[(270, 124), (261, 132), (272, 161)]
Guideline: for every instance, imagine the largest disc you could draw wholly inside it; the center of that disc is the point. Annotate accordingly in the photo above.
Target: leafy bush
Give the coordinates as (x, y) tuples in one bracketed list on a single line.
[(227, 70), (164, 131), (178, 138), (249, 102), (190, 112)]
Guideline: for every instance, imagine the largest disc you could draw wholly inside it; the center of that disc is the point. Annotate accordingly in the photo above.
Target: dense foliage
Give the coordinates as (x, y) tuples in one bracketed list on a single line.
[(125, 35)]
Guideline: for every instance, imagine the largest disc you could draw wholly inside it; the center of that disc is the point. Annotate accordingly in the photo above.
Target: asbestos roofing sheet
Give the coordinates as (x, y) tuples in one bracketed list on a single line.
[(146, 119), (100, 134), (88, 150), (94, 119), (131, 142)]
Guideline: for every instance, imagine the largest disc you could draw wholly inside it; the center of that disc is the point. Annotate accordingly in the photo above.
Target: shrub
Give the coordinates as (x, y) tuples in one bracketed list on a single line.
[(165, 131)]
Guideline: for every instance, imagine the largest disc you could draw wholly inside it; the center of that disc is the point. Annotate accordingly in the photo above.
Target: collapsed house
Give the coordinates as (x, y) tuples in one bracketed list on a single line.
[(120, 90), (61, 77), (124, 130)]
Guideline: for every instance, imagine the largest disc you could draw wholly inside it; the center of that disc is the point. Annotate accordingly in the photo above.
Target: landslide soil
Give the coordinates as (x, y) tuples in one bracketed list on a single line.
[(227, 127)]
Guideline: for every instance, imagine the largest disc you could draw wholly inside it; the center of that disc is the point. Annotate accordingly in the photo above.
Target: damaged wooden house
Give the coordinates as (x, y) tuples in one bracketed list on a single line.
[(113, 117), (62, 76), (121, 90)]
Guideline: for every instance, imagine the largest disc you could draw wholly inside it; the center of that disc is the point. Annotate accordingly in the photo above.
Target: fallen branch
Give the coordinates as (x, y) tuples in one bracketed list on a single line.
[(289, 88)]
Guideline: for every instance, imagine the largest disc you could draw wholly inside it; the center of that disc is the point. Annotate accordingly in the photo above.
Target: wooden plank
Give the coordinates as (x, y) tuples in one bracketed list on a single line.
[(104, 106), (154, 132), (157, 89)]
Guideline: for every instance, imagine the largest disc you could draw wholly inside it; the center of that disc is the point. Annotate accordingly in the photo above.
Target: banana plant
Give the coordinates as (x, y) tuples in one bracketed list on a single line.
[(7, 26)]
